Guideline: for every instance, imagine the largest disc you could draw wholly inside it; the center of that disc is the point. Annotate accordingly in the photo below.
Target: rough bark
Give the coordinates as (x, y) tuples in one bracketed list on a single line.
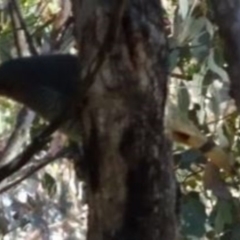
[(131, 180), (227, 17)]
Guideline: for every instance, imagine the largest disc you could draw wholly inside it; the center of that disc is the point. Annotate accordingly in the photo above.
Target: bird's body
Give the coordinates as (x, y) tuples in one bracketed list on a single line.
[(43, 83)]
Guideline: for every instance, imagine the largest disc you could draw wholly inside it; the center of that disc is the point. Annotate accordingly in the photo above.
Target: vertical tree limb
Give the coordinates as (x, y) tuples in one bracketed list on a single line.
[(130, 172), (227, 17)]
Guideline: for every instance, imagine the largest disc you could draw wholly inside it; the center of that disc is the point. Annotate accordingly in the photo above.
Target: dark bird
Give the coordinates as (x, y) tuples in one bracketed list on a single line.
[(43, 83)]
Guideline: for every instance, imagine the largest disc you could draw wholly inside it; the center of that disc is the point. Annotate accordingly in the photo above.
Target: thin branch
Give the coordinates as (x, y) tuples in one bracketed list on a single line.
[(186, 46), (24, 28), (18, 136), (44, 25), (37, 144), (43, 162), (181, 76), (15, 27), (64, 30)]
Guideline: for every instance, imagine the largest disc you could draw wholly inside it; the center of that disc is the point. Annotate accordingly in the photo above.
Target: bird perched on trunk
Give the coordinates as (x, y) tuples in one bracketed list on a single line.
[(43, 83)]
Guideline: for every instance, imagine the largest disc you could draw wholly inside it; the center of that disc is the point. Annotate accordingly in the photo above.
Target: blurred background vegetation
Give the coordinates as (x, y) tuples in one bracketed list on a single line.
[(49, 204)]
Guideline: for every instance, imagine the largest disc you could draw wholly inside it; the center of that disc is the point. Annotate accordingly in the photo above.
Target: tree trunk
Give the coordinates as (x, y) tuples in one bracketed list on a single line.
[(123, 54), (227, 16)]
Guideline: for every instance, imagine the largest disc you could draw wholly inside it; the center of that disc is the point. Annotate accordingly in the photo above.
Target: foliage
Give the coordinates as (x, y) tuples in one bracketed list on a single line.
[(200, 88), (49, 203)]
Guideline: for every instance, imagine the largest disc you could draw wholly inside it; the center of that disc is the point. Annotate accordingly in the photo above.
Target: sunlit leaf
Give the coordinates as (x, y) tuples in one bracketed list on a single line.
[(213, 66), (183, 8)]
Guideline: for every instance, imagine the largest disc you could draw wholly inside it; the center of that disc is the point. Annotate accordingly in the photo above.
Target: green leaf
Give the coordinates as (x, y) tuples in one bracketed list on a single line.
[(233, 234), (173, 59), (193, 216), (200, 49), (183, 99), (188, 157), (223, 215), (214, 67), (49, 184)]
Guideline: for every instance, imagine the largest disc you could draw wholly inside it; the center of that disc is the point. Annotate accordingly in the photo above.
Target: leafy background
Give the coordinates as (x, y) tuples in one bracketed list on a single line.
[(50, 203), (199, 87)]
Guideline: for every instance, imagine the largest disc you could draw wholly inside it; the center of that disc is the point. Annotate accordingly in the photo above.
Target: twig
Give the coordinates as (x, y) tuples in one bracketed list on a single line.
[(181, 76), (36, 145), (15, 27), (44, 25), (64, 30), (43, 162), (24, 28), (18, 136), (186, 46)]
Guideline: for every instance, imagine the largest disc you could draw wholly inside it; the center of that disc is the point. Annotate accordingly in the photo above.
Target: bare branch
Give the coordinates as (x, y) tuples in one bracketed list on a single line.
[(37, 144), (43, 162), (18, 136), (24, 27)]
